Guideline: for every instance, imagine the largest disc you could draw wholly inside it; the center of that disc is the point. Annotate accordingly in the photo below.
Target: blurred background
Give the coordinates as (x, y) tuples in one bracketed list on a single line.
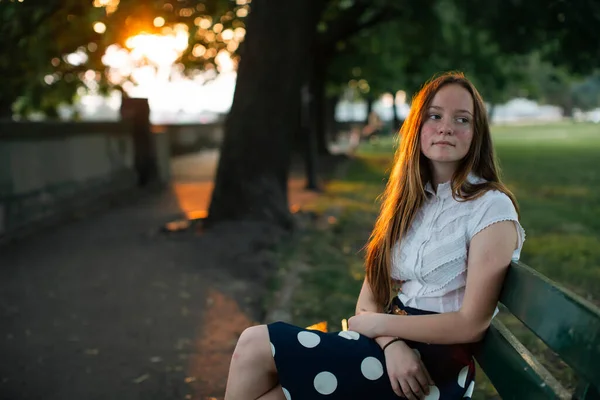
[(153, 153)]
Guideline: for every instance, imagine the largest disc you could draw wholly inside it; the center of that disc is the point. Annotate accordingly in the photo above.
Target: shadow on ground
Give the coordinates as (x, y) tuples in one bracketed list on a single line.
[(112, 306)]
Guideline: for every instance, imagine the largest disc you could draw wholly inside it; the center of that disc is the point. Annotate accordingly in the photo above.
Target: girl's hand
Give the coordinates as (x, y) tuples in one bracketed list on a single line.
[(407, 373), (365, 323)]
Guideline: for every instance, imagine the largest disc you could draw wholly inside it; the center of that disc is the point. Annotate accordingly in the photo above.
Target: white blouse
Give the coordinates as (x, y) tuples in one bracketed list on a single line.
[(432, 257)]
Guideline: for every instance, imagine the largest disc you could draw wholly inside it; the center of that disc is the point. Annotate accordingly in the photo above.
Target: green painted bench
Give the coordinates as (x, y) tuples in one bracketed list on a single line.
[(566, 323)]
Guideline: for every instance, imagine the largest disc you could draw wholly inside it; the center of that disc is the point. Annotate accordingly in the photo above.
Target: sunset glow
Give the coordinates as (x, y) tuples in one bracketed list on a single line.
[(159, 49), (146, 67), (146, 64), (110, 5)]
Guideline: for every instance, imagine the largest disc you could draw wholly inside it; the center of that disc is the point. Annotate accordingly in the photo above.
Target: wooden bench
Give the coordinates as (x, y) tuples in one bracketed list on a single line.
[(566, 323)]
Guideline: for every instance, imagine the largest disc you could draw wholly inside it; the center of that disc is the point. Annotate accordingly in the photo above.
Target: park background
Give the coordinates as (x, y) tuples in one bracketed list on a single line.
[(263, 135)]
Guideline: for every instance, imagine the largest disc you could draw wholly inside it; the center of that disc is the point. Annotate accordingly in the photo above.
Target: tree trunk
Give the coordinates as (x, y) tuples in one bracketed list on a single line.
[(251, 180), (310, 135), (331, 130), (317, 84), (6, 109), (369, 108), (137, 112), (567, 106), (299, 135), (396, 119), (491, 112)]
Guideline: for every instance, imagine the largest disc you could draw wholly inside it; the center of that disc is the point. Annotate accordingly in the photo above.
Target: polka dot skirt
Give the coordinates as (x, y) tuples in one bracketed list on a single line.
[(346, 365)]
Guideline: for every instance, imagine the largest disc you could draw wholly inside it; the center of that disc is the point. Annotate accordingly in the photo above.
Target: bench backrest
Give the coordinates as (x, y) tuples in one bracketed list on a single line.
[(566, 323)]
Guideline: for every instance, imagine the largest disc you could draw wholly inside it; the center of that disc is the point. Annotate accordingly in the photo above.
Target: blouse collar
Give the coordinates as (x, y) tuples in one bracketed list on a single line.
[(444, 190)]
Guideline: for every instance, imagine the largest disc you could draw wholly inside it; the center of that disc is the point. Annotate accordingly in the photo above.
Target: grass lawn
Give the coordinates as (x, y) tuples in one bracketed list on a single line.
[(553, 170)]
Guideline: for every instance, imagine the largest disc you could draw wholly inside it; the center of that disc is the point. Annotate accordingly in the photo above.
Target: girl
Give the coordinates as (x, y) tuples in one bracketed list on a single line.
[(435, 265)]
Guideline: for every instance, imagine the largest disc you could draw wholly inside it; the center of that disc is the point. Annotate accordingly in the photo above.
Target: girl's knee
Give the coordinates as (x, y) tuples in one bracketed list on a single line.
[(253, 335), (253, 343)]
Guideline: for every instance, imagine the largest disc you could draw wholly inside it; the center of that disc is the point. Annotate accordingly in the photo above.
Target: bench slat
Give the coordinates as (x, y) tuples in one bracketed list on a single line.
[(586, 391), (513, 370), (568, 324)]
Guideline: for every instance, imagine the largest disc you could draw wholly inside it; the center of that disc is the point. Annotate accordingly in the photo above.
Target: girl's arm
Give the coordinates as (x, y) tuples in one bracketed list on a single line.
[(366, 301), (490, 253), (366, 304)]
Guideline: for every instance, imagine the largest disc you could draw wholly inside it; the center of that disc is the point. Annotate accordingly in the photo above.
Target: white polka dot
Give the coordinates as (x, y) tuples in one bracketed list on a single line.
[(417, 353), (462, 376), (286, 394), (308, 339), (350, 335), (371, 368), (434, 393), (273, 349), (325, 383), (469, 392)]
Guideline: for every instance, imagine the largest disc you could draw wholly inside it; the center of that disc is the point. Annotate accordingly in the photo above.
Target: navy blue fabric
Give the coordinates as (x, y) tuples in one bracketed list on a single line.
[(346, 365)]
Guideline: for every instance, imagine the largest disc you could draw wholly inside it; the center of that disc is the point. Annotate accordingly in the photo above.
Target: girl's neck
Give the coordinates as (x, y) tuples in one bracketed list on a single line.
[(441, 173)]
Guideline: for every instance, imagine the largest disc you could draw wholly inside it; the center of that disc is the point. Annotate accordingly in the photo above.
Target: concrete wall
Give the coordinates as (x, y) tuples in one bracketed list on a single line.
[(190, 138), (50, 167)]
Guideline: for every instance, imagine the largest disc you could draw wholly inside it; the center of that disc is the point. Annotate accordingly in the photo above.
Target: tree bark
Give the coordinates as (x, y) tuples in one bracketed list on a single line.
[(567, 106), (6, 108), (369, 108), (330, 122), (310, 135), (396, 119), (491, 112), (318, 80), (251, 180)]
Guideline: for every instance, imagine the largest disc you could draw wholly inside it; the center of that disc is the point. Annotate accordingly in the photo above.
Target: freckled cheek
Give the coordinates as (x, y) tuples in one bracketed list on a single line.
[(426, 140), (465, 137), (465, 133), (427, 135)]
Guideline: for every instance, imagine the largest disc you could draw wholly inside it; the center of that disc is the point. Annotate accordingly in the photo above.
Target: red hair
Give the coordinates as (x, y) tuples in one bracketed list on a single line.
[(405, 191)]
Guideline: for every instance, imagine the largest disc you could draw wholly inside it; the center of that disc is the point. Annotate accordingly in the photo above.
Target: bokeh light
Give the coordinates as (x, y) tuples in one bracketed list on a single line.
[(159, 49), (205, 22), (198, 50), (99, 27), (400, 97), (227, 35), (218, 28), (110, 5)]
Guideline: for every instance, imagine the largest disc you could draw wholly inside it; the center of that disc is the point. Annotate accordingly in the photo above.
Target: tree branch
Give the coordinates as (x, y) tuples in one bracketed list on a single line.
[(349, 23), (347, 20), (26, 23)]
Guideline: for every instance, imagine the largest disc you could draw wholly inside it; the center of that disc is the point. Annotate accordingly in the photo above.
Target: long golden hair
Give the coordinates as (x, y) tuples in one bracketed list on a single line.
[(405, 190)]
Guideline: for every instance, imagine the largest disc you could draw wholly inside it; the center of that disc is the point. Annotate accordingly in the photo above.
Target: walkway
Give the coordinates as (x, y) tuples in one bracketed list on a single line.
[(111, 307)]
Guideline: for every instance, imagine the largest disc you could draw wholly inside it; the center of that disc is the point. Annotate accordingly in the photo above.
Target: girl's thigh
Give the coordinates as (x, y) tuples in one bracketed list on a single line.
[(337, 365)]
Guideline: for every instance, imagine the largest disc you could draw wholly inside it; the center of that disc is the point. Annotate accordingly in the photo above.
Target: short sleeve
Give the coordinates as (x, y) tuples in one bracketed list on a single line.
[(496, 207)]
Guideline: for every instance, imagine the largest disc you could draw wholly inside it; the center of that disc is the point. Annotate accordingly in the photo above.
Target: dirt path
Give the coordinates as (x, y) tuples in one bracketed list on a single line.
[(111, 307)]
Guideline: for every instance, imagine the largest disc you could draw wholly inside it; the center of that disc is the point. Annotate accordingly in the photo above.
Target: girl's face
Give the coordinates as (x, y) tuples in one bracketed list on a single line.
[(447, 130)]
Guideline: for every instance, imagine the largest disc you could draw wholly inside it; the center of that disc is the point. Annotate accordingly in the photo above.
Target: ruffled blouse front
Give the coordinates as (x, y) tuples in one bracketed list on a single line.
[(432, 257)]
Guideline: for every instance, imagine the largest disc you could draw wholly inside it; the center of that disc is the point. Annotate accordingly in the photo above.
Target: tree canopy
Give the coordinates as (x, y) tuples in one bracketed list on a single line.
[(36, 39), (52, 50), (385, 44)]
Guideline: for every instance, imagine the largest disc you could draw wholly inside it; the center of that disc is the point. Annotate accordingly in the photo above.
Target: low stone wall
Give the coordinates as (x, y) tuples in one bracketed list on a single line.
[(52, 168), (49, 168), (190, 138)]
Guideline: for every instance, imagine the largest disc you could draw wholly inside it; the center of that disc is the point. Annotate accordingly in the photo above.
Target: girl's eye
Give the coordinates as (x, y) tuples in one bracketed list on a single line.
[(434, 116), (463, 120)]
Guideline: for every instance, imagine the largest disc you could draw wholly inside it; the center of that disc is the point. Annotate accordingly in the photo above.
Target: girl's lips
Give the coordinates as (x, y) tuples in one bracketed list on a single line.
[(444, 143)]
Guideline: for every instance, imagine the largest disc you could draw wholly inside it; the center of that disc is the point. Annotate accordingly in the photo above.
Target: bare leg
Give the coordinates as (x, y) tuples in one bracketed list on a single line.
[(252, 372), (274, 394)]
